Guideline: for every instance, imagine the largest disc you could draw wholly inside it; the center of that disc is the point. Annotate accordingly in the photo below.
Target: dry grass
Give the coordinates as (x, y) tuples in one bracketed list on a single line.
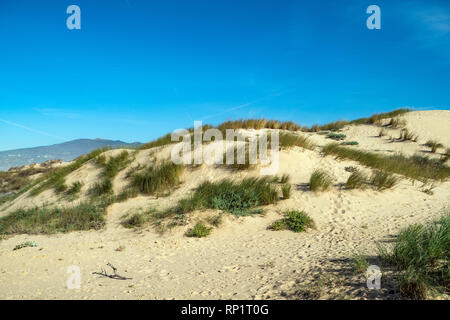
[(320, 181), (415, 167), (157, 178), (434, 145)]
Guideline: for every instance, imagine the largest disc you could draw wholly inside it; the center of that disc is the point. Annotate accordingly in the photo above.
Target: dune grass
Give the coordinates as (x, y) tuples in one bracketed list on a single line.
[(414, 167), (74, 189), (285, 141), (101, 188), (406, 135), (357, 180), (350, 143), (236, 197), (200, 230), (377, 117), (286, 190), (320, 181), (381, 180), (14, 180), (158, 178), (421, 253), (289, 140), (113, 165), (434, 145), (55, 179), (293, 220), (40, 220), (336, 136), (246, 165)]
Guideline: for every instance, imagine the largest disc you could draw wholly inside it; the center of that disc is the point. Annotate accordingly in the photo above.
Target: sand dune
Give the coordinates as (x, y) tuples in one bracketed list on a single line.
[(241, 259)]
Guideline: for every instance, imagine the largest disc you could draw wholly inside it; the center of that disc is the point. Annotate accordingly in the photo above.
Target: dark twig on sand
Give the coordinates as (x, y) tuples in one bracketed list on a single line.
[(112, 276)]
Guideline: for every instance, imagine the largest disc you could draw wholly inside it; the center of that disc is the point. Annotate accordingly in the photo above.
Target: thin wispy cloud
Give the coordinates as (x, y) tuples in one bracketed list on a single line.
[(430, 23), (244, 105), (18, 125)]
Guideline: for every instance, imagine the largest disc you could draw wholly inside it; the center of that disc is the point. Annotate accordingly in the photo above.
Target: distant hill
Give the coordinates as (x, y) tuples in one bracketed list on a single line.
[(66, 151)]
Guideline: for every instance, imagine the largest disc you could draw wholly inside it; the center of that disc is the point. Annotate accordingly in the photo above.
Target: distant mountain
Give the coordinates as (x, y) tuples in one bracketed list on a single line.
[(66, 151)]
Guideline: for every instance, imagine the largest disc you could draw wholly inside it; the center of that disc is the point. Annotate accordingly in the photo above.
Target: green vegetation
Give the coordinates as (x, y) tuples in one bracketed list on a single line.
[(55, 178), (383, 180), (114, 165), (111, 167), (376, 118), (200, 230), (235, 197), (357, 180), (421, 254), (162, 141), (75, 188), (395, 123), (14, 180), (360, 263), (85, 216), (336, 136), (349, 143), (136, 220), (284, 178), (406, 135), (286, 190), (101, 188), (415, 167), (289, 140), (320, 181), (286, 140), (294, 220), (434, 145), (246, 165), (157, 178)]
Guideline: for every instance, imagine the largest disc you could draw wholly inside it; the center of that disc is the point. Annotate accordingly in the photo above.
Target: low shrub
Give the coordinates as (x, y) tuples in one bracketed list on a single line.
[(200, 230), (230, 196), (294, 220), (336, 136), (357, 180)]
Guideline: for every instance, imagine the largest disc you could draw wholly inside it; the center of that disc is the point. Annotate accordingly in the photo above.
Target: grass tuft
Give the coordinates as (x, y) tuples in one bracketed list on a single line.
[(320, 181), (421, 253), (383, 180), (294, 220), (286, 190), (357, 180), (434, 145), (157, 178), (200, 230)]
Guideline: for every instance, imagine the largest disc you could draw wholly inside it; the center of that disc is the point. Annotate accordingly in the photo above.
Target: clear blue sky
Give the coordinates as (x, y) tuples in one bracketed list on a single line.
[(138, 69)]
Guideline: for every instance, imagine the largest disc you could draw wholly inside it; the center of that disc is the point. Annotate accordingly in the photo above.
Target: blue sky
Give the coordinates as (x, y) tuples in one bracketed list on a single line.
[(139, 69)]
